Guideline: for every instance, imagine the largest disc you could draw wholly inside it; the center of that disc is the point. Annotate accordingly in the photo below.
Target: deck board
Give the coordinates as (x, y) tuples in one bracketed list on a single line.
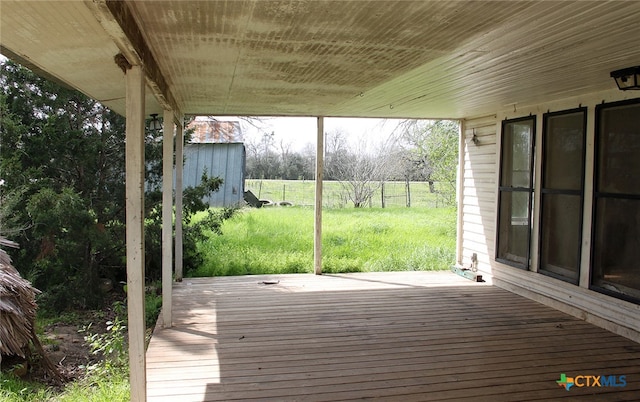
[(411, 336)]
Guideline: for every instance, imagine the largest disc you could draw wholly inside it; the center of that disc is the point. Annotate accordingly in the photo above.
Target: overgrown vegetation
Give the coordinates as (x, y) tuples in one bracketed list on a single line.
[(106, 379), (62, 197), (94, 388), (106, 375), (280, 240)]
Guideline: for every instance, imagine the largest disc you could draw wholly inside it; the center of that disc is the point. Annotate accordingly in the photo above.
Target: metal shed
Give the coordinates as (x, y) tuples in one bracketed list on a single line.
[(225, 160)]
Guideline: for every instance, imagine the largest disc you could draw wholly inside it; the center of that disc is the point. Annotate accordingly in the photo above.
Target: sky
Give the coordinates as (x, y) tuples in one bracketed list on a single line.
[(300, 131)]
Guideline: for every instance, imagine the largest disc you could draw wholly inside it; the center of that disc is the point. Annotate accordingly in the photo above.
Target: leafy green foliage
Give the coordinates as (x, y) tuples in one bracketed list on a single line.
[(191, 234), (152, 307), (62, 192), (62, 166), (110, 345), (432, 153)]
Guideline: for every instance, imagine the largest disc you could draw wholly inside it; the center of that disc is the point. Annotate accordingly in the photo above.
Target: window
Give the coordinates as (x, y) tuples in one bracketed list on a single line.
[(515, 190), (615, 267), (563, 139)]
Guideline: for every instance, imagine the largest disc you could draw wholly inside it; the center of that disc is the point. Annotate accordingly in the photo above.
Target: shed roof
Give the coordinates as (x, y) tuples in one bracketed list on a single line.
[(437, 59), (209, 130)]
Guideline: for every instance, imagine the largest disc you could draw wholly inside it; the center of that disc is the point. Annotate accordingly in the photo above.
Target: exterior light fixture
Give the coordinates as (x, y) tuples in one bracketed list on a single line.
[(627, 78), (154, 124)]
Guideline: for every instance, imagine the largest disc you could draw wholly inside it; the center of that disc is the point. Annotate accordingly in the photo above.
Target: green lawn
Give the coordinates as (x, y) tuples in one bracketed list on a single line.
[(280, 240)]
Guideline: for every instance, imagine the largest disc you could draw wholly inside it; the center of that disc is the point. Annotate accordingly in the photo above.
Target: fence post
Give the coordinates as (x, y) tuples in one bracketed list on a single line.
[(382, 192), (408, 194), (260, 189), (284, 192)]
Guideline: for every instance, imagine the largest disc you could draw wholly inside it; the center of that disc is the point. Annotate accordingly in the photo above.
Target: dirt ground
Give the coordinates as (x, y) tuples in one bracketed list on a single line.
[(65, 346), (67, 349)]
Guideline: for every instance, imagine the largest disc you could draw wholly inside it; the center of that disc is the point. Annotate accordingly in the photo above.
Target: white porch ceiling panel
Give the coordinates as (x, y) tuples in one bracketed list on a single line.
[(439, 59)]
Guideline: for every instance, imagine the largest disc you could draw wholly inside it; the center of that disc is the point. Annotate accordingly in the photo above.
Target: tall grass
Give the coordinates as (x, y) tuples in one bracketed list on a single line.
[(113, 387), (280, 240)]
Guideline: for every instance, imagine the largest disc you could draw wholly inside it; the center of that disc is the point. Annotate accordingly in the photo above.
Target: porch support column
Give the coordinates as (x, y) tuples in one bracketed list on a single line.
[(179, 168), (317, 239), (167, 216), (460, 191), (134, 183)]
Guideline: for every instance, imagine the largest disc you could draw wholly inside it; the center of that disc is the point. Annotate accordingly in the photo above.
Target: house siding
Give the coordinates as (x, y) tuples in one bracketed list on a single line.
[(479, 189)]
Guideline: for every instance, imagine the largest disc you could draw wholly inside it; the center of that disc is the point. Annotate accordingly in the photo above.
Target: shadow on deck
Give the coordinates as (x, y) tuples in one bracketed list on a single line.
[(390, 336)]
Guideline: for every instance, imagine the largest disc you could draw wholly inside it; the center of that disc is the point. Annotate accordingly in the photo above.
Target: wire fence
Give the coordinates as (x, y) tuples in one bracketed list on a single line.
[(336, 194)]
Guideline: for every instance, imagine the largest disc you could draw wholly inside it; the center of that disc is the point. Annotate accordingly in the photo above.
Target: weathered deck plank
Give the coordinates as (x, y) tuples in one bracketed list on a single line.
[(392, 336)]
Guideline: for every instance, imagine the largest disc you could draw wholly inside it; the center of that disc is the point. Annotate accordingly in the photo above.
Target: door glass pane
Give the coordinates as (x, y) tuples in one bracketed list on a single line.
[(617, 246), (563, 151), (516, 153), (619, 150), (514, 226), (560, 240)]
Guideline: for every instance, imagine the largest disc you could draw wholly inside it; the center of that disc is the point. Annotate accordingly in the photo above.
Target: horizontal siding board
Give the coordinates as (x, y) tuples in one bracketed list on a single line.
[(480, 242), (483, 182), (488, 160), (475, 196), (478, 219), (482, 149), (480, 229)]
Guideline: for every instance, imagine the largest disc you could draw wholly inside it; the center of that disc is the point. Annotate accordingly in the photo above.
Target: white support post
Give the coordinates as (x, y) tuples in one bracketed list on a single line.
[(135, 230), (167, 217), (317, 239), (179, 168), (460, 193)]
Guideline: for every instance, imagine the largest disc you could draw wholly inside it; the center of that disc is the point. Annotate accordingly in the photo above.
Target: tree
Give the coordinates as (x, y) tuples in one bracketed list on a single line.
[(62, 169), (431, 153), (263, 161), (62, 159), (359, 170)]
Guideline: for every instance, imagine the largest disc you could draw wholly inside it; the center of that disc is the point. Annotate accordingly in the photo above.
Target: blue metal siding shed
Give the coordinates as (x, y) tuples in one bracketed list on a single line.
[(225, 160)]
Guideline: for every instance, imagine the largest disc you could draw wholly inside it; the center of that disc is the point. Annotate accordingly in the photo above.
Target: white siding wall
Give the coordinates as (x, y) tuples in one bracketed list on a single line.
[(479, 181), (479, 174)]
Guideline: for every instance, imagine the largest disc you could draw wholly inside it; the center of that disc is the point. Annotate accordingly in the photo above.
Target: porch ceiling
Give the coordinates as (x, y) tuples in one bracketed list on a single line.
[(448, 59)]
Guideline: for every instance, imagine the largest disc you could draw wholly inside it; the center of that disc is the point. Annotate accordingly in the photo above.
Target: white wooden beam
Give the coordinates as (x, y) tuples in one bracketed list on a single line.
[(317, 239), (134, 183), (167, 217), (118, 21), (179, 169), (460, 191)]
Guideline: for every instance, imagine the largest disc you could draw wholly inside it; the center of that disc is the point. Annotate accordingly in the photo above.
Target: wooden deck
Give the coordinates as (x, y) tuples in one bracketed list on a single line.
[(389, 336)]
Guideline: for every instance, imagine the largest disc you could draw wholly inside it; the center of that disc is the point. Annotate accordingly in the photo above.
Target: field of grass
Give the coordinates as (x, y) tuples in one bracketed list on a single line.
[(280, 240)]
